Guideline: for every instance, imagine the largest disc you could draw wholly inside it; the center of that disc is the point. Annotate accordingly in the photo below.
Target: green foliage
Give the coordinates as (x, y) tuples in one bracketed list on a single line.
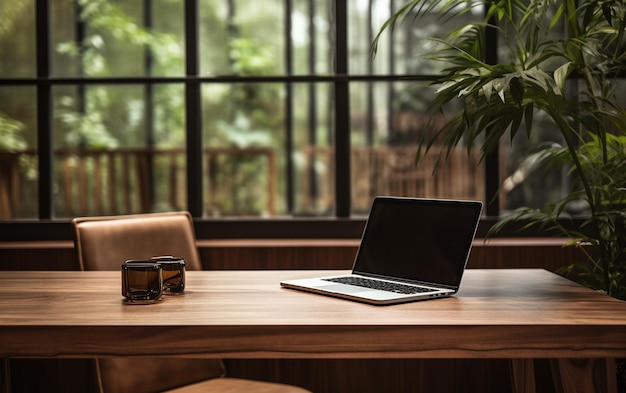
[(605, 229), (86, 130), (11, 134), (562, 59), (238, 133), (252, 107), (250, 58), (108, 24), (109, 27)]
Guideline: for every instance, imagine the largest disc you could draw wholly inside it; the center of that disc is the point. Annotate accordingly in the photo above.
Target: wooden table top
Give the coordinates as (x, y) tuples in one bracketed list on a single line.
[(509, 313)]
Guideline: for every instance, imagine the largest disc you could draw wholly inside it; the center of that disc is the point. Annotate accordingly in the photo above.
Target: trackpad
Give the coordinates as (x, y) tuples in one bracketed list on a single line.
[(342, 288)]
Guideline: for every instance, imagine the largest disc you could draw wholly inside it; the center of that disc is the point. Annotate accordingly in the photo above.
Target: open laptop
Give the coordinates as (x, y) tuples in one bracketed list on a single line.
[(411, 249)]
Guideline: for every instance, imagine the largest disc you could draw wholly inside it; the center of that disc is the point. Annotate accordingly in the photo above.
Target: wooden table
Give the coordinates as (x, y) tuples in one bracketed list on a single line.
[(517, 314)]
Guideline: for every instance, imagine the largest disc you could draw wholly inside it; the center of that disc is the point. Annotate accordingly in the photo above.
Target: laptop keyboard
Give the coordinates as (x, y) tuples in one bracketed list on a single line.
[(380, 285)]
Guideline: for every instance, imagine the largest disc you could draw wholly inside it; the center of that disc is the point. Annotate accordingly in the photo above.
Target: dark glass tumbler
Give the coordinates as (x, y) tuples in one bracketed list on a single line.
[(142, 282), (173, 269)]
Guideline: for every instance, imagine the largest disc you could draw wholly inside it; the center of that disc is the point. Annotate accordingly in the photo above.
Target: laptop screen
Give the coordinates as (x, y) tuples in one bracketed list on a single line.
[(418, 239)]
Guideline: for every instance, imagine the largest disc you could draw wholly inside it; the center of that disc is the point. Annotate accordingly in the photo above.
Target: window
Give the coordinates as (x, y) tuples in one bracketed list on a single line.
[(226, 108)]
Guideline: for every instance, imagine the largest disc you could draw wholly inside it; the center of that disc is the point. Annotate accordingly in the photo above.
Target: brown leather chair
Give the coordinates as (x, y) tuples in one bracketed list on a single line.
[(103, 243)]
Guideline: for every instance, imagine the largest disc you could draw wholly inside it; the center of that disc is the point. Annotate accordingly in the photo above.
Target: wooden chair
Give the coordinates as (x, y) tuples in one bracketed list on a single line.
[(103, 243)]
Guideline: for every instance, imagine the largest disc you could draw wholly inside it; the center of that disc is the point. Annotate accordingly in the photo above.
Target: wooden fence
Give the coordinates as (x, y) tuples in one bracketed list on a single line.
[(392, 171), (236, 181), (133, 180)]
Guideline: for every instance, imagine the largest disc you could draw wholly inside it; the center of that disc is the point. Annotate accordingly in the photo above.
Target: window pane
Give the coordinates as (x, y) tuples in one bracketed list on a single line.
[(112, 156), (18, 153), (113, 38), (168, 54), (311, 35), (388, 121), (313, 156), (406, 50), (169, 177), (533, 184), (244, 142), (364, 20), (63, 28), (242, 37), (17, 38), (529, 186)]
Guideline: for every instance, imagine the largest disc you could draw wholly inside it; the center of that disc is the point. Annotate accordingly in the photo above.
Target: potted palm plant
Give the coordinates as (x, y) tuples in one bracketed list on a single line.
[(561, 60)]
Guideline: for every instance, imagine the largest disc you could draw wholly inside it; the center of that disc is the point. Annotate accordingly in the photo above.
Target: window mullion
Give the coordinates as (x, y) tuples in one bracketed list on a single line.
[(193, 111), (492, 160), (289, 98), (44, 111), (342, 113), (148, 23)]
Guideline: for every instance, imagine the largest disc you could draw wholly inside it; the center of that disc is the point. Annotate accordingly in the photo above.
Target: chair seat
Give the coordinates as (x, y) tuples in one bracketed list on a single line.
[(236, 385)]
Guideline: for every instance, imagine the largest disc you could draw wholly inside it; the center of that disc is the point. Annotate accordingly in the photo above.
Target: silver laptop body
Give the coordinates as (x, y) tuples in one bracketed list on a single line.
[(411, 249)]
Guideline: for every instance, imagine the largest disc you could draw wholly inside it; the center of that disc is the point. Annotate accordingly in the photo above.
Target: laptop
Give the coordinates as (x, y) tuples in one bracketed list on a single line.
[(411, 249)]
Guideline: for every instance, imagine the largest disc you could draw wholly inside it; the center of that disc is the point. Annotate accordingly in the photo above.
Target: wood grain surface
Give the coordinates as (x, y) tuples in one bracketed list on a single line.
[(245, 314)]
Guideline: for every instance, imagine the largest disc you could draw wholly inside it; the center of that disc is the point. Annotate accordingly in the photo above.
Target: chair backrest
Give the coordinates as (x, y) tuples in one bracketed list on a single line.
[(103, 243)]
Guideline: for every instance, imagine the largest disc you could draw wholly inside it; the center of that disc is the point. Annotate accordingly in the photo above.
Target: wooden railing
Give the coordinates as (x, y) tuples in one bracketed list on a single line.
[(9, 184), (133, 180), (236, 182), (392, 171)]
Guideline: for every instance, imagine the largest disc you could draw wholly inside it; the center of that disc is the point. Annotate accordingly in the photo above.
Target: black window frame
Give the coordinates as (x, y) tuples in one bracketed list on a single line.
[(342, 225)]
